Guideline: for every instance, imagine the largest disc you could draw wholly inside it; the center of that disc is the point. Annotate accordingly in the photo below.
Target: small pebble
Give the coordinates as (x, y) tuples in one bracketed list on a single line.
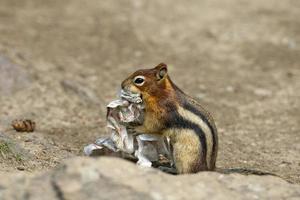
[(221, 177), (21, 168), (230, 89), (201, 96), (262, 92)]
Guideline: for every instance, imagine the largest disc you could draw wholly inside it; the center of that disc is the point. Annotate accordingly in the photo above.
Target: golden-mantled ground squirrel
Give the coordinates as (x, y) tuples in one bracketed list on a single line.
[(172, 113)]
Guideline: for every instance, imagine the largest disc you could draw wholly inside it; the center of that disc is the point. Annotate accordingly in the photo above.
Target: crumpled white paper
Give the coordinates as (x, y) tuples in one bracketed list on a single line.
[(121, 114)]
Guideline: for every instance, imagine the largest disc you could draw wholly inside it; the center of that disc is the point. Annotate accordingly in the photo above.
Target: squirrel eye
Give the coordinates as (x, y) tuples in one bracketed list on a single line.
[(139, 80)]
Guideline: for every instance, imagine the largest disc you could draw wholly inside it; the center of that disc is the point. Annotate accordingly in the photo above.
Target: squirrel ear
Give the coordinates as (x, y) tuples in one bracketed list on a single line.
[(161, 70)]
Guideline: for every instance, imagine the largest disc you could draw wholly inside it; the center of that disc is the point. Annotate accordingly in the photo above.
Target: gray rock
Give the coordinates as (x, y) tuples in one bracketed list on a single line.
[(114, 178), (12, 77)]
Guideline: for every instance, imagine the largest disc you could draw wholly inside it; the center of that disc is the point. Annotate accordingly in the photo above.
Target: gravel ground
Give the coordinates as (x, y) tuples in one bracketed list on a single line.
[(61, 62)]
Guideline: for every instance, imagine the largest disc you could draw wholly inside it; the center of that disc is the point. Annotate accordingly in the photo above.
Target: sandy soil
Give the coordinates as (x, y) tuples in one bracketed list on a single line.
[(61, 62)]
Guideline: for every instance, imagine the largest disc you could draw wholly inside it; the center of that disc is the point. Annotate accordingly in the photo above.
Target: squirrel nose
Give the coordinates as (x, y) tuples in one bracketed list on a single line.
[(124, 85)]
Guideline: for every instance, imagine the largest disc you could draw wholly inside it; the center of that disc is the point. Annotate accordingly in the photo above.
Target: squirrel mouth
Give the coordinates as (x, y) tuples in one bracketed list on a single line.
[(130, 96)]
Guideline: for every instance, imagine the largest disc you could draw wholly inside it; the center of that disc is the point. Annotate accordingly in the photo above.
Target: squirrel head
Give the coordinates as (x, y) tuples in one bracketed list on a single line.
[(149, 83)]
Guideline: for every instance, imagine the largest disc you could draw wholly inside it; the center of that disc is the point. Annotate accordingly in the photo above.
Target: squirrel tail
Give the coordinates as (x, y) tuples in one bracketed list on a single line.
[(245, 171)]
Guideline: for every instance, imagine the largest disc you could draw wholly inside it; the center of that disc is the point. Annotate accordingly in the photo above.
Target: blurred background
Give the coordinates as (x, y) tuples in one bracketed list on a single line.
[(61, 62)]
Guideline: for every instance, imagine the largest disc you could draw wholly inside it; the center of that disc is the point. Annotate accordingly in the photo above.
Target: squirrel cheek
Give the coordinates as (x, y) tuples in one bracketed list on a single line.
[(134, 89)]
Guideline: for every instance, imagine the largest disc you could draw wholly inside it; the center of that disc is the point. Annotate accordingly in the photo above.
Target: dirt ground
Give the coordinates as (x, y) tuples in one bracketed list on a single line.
[(61, 62)]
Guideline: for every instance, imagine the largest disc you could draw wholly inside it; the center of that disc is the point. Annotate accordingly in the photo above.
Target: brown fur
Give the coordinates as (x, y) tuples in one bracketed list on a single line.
[(153, 92), (161, 97)]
